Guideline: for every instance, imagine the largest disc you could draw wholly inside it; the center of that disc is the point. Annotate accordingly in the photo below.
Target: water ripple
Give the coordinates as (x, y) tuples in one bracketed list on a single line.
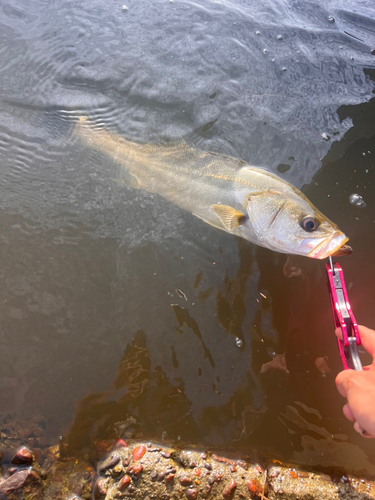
[(90, 267)]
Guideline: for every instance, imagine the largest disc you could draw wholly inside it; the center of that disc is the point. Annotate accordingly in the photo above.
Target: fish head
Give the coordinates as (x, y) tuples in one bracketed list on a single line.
[(284, 220)]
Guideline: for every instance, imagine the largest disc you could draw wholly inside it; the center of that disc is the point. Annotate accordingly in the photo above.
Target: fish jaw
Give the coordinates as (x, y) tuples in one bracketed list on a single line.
[(344, 250), (329, 246)]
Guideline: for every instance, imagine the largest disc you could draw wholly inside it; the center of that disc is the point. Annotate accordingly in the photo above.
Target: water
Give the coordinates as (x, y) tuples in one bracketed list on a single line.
[(120, 313)]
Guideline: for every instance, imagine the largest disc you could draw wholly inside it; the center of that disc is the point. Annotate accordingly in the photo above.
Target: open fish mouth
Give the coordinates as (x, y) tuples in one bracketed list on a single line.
[(334, 245), (344, 250)]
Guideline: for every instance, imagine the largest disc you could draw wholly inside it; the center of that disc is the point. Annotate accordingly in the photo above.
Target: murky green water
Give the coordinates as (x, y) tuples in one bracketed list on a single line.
[(120, 313)]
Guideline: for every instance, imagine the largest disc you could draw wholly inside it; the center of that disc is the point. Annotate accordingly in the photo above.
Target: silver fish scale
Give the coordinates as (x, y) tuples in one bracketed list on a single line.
[(197, 181)]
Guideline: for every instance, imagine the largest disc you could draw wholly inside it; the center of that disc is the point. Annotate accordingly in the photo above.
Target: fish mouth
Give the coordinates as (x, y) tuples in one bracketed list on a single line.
[(344, 250), (334, 245)]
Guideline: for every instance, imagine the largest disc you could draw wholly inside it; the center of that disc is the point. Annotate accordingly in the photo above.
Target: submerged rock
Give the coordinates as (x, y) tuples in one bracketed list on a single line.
[(110, 463), (22, 484), (164, 473), (175, 474), (23, 456), (138, 452), (143, 471), (288, 483), (68, 478)]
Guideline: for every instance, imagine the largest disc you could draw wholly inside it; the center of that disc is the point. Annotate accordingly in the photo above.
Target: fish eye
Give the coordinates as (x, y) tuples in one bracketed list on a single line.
[(309, 224)]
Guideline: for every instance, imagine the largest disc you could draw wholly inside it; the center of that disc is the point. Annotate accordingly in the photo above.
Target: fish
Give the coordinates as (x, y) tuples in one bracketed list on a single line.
[(225, 192)]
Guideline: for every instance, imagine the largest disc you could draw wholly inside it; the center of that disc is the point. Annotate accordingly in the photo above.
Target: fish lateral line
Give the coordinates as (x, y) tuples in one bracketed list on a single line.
[(117, 146), (202, 173)]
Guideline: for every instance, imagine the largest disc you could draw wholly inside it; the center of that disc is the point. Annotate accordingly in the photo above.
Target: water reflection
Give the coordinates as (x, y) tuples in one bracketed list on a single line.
[(230, 306), (317, 433), (183, 317), (141, 402), (281, 398)]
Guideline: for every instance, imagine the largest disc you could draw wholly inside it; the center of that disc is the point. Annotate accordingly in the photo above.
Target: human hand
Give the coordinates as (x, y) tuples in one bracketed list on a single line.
[(358, 387)]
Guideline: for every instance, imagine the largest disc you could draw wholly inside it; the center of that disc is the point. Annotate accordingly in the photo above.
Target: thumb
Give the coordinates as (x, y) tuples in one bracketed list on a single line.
[(367, 337), (343, 381)]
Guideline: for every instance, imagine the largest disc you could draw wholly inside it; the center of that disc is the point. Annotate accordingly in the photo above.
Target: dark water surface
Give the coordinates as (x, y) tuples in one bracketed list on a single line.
[(122, 314)]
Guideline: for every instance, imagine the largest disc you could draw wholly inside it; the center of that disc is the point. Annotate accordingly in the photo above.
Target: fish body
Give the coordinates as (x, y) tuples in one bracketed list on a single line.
[(223, 191)]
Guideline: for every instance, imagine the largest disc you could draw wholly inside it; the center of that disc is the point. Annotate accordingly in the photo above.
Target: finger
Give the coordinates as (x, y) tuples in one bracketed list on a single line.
[(367, 337), (342, 382), (348, 413), (338, 333), (362, 431)]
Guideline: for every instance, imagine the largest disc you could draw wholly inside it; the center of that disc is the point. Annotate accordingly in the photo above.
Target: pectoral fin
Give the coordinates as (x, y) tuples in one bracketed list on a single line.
[(229, 216)]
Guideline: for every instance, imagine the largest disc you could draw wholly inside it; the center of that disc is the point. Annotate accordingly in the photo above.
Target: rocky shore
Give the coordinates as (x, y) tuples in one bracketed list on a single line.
[(138, 470)]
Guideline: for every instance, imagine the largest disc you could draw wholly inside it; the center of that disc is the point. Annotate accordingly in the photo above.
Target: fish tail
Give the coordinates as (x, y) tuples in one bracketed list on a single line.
[(96, 136)]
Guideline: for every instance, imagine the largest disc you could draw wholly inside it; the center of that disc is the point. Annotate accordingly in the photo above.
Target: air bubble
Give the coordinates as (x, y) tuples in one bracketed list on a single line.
[(357, 200), (239, 342), (181, 294)]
